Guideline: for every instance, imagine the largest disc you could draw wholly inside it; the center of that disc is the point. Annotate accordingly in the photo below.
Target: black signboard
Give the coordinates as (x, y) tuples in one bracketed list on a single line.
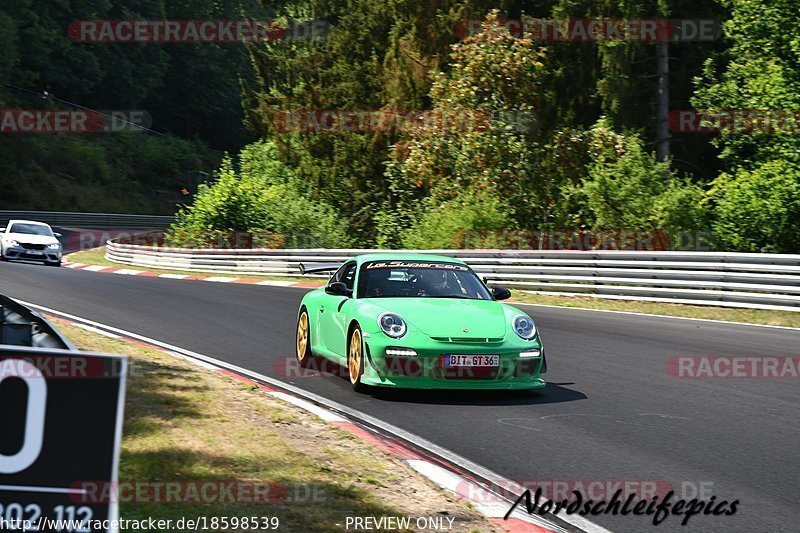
[(60, 430)]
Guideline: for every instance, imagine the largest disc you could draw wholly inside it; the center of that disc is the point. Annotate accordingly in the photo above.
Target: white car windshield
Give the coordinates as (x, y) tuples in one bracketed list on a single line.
[(31, 229)]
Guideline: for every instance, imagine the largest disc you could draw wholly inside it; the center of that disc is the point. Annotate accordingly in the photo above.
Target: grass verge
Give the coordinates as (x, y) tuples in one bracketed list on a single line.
[(191, 425), (752, 316)]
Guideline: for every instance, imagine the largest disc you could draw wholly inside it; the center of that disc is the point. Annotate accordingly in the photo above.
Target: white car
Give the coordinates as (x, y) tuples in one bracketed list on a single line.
[(26, 239)]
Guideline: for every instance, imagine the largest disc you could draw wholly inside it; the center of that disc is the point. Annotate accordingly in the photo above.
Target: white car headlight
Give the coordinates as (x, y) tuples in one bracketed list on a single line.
[(54, 246), (392, 325), (524, 327)]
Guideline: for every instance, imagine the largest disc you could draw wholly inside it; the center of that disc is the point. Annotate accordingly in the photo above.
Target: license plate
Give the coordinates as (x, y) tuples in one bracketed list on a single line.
[(471, 360)]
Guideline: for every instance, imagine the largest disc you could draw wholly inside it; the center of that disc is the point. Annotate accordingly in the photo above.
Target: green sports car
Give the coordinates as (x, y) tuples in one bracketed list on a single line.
[(418, 321)]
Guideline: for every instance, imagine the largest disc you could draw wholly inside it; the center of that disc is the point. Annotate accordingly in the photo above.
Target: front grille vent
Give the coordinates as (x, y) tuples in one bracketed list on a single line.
[(479, 340)]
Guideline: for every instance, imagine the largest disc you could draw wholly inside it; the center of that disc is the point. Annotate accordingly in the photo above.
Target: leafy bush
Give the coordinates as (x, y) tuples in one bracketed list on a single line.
[(636, 191), (759, 210), (447, 225), (246, 201)]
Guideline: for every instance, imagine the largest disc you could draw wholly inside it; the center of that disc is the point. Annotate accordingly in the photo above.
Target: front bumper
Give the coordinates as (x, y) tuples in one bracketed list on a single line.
[(427, 369), (20, 252)]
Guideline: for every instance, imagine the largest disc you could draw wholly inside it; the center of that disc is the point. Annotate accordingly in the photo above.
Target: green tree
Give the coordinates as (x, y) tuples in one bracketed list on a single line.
[(760, 70), (630, 191), (478, 135), (759, 210)]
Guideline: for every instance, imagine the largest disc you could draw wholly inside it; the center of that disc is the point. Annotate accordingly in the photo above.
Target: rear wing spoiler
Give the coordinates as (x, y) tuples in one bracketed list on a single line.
[(329, 267)]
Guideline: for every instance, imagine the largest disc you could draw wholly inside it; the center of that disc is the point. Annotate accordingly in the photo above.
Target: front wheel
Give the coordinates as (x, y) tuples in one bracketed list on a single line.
[(355, 360), (303, 340)]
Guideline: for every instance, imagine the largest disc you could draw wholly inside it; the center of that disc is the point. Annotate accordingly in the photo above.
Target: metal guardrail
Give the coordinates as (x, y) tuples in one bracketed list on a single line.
[(758, 281), (90, 220), (22, 326)]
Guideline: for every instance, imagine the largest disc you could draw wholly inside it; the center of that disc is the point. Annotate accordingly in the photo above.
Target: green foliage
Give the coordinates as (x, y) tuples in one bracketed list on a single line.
[(250, 201), (448, 225), (756, 204), (761, 71), (116, 173), (191, 91), (635, 191), (759, 210), (510, 137), (232, 202), (564, 167), (474, 138)]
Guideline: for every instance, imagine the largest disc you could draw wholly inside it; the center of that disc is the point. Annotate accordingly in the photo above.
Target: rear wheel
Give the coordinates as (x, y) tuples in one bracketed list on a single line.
[(355, 360), (303, 340)]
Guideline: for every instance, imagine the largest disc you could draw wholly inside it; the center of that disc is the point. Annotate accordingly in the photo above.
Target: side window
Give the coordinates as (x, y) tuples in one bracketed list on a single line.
[(348, 275), (337, 276)]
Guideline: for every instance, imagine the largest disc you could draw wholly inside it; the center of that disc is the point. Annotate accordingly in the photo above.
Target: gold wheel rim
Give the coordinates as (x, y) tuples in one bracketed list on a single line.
[(302, 336), (354, 361)]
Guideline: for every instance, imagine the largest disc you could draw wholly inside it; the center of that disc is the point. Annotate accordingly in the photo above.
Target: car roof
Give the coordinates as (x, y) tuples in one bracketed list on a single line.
[(28, 222), (404, 256)]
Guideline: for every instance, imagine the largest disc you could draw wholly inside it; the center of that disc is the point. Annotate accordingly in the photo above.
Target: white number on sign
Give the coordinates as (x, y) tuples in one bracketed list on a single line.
[(34, 416)]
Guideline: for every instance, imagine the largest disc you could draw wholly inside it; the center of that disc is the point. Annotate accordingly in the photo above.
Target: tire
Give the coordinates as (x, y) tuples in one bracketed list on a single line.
[(303, 340), (53, 263), (355, 360)]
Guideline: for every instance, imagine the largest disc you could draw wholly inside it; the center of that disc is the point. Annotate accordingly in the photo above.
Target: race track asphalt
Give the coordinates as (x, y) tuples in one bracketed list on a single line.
[(611, 411)]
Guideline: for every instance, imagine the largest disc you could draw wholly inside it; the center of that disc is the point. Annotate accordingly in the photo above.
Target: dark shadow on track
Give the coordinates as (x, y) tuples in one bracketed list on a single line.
[(552, 393)]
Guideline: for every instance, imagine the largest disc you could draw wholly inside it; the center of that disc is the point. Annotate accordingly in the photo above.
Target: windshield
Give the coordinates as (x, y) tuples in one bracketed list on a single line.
[(392, 279), (31, 229)]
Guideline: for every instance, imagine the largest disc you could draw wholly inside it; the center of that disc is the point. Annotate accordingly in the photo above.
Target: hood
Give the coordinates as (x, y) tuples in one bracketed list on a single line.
[(448, 317), (28, 238)]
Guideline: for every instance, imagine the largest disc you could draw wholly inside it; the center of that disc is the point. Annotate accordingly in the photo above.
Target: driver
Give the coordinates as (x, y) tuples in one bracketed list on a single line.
[(431, 283)]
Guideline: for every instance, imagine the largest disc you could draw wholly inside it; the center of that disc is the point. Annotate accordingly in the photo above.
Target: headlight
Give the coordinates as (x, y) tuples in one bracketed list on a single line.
[(54, 246), (524, 327), (392, 325)]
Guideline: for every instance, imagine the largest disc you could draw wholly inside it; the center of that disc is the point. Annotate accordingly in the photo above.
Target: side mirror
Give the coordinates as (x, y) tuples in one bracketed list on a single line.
[(57, 235), (500, 293), (337, 288)]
